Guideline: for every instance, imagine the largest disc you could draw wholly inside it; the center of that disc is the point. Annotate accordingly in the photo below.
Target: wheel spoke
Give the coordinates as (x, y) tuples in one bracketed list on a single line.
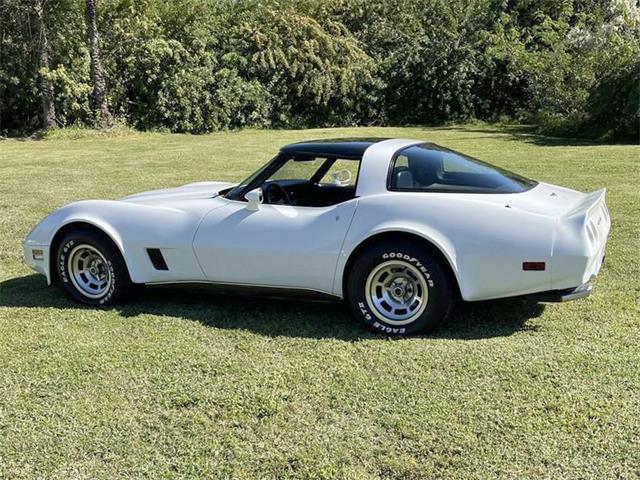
[(397, 292), (86, 265)]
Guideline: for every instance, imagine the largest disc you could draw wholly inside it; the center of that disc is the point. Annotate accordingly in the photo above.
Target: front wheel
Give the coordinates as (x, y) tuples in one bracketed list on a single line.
[(91, 269), (399, 289)]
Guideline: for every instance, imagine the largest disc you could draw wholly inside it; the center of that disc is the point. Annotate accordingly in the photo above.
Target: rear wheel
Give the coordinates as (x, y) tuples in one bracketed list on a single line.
[(91, 269), (399, 288)]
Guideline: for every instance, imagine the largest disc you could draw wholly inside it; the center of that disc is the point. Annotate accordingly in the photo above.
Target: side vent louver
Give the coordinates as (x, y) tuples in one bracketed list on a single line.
[(157, 260)]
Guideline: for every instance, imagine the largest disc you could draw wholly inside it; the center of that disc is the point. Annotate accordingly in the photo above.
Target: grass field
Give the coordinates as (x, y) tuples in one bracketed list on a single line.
[(184, 384)]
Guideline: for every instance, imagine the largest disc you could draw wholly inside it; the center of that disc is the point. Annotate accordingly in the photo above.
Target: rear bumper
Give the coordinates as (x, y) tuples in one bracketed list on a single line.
[(566, 295), (578, 292)]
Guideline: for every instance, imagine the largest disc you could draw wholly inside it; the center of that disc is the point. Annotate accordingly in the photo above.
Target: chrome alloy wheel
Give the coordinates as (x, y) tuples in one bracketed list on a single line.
[(89, 271), (397, 292)]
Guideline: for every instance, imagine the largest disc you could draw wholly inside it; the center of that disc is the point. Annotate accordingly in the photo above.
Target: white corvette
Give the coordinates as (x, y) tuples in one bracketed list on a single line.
[(398, 228)]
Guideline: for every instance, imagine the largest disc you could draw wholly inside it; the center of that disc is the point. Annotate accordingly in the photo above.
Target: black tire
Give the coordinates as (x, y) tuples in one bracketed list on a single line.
[(111, 265), (439, 296)]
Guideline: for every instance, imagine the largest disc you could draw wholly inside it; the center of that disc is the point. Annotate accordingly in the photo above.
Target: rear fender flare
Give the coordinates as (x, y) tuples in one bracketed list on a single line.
[(436, 239)]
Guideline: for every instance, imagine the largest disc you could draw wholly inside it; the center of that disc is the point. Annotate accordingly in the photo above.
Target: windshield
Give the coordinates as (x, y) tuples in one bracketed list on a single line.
[(289, 171), (236, 191), (428, 167), (294, 169)]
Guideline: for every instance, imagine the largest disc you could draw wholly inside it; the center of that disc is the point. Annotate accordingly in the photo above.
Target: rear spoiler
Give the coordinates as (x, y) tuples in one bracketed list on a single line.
[(586, 204)]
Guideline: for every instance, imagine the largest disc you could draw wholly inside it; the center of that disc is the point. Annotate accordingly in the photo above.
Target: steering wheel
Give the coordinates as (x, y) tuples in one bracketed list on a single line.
[(282, 193)]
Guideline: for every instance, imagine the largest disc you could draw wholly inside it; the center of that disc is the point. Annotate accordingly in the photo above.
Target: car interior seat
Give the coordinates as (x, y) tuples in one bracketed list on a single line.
[(426, 168), (403, 178)]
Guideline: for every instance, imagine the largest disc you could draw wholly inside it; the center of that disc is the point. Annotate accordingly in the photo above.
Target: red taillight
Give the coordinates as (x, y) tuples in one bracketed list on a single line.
[(533, 266)]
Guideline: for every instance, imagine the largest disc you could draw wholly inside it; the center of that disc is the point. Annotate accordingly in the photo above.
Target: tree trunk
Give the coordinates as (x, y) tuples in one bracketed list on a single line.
[(99, 104), (46, 89)]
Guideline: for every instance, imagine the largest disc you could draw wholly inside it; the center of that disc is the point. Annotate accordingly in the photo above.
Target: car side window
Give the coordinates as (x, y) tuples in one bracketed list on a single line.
[(427, 167), (402, 162)]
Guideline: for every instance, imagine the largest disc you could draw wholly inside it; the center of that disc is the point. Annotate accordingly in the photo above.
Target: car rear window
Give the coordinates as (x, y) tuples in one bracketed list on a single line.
[(429, 167)]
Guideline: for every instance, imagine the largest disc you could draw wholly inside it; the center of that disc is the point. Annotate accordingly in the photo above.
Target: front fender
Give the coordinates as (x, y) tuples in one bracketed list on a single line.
[(44, 232), (133, 228)]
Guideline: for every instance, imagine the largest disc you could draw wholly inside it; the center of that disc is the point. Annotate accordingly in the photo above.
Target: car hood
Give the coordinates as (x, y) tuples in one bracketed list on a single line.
[(181, 207), (168, 196)]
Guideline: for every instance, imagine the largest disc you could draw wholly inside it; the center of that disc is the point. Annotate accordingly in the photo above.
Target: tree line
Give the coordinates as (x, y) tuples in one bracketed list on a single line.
[(570, 67)]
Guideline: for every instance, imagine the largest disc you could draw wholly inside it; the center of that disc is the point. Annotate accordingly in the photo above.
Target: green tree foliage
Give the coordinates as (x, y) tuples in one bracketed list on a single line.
[(581, 64), (315, 73), (19, 101), (203, 65), (434, 57)]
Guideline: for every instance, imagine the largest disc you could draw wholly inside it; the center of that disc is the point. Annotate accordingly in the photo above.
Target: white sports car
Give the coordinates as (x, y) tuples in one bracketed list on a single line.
[(398, 228)]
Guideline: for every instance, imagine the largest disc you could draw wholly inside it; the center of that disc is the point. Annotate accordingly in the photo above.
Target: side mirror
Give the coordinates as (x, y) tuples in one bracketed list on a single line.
[(254, 199)]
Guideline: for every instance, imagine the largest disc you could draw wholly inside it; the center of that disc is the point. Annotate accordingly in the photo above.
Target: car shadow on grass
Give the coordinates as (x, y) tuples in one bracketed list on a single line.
[(276, 317)]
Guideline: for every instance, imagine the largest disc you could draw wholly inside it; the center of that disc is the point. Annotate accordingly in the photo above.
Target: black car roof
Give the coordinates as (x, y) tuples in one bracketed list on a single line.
[(351, 148)]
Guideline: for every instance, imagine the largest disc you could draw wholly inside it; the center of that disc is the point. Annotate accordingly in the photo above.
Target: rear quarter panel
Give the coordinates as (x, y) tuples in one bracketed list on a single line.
[(484, 241)]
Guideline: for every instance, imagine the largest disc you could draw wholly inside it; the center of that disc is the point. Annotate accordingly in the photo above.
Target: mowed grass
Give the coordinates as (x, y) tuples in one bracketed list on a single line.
[(185, 384)]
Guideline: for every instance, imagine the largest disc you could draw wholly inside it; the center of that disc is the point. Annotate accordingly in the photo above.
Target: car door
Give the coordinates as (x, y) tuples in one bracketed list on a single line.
[(276, 245)]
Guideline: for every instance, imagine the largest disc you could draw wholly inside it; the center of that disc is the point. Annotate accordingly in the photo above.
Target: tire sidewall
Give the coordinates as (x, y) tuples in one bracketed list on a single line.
[(62, 265), (437, 282)]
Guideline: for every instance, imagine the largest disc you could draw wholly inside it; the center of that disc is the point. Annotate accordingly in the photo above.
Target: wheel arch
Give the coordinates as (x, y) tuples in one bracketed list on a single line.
[(104, 230), (446, 258)]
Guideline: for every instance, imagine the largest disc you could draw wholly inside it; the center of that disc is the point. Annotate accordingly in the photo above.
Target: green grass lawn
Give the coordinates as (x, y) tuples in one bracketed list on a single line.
[(185, 384)]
